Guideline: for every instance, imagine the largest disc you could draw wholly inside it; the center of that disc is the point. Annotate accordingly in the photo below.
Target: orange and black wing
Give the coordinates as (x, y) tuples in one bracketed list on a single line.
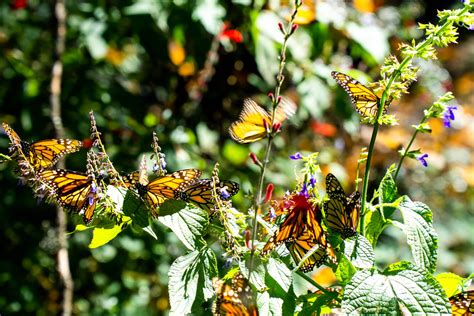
[(236, 299), (45, 153), (200, 192), (74, 191), (363, 99), (462, 304)]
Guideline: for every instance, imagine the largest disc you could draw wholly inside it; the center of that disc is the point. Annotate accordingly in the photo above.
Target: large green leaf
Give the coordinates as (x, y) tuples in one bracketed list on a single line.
[(134, 208), (190, 278), (375, 224), (267, 305), (188, 225), (399, 287), (345, 270), (421, 236), (101, 236), (280, 273), (359, 251)]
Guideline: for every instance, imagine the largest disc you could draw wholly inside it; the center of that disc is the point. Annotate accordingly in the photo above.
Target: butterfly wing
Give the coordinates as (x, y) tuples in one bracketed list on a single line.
[(462, 304), (250, 127), (235, 299), (165, 187), (14, 138), (363, 99), (353, 214), (199, 192), (285, 109), (73, 190), (45, 153)]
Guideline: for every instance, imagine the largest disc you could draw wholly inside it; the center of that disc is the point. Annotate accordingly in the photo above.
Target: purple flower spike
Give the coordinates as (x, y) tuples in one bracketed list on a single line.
[(296, 156), (422, 160), (228, 263), (93, 187), (273, 214), (225, 195), (312, 181), (304, 190), (448, 116)]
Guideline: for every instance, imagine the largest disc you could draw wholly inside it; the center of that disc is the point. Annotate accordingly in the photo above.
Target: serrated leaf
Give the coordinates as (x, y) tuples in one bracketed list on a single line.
[(188, 225), (101, 236), (279, 272), (345, 270), (421, 236), (359, 251), (451, 283), (387, 191), (170, 207), (258, 273), (135, 209), (375, 224), (269, 305), (393, 291), (190, 277)]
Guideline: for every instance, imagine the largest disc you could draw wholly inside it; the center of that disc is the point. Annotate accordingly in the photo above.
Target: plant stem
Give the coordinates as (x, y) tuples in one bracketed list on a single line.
[(280, 78), (310, 280)]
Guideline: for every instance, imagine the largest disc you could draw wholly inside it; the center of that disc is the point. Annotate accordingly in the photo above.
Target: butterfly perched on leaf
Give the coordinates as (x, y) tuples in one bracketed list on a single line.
[(74, 191), (462, 303), (236, 299), (342, 212), (44, 153), (200, 192), (302, 216), (305, 243), (162, 188), (365, 101), (255, 122)]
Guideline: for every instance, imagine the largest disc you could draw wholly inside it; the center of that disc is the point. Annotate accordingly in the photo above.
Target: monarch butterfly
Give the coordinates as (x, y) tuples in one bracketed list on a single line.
[(199, 192), (44, 153), (236, 299), (162, 188), (74, 191), (303, 244), (462, 303), (254, 120), (342, 212), (301, 216), (363, 98)]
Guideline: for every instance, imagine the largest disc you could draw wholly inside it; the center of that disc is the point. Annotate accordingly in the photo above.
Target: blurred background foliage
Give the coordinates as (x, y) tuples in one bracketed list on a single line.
[(182, 69)]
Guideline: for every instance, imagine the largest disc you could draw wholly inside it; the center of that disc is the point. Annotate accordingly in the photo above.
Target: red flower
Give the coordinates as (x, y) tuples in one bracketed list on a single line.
[(233, 35), (18, 4)]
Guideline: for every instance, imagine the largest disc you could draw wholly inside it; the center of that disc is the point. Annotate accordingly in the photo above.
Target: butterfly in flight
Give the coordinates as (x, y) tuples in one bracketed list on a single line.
[(200, 192), (44, 153), (462, 304), (236, 299), (342, 212), (302, 216), (254, 121), (162, 188), (74, 191), (365, 101)]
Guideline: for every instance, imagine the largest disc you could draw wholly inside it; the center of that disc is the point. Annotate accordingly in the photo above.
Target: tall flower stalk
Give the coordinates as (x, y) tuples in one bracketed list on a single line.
[(276, 99)]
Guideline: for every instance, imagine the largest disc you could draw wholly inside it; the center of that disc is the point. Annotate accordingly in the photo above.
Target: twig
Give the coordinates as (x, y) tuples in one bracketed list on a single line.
[(55, 99)]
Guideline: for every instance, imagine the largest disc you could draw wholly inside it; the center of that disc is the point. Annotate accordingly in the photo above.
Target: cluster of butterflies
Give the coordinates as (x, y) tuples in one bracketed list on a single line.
[(77, 191), (302, 229)]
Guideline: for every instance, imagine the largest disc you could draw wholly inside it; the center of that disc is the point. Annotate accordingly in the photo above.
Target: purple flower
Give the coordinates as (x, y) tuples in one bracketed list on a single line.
[(312, 181), (225, 195), (471, 27), (304, 190), (448, 116), (273, 214), (422, 160), (296, 156), (228, 263), (93, 187), (163, 163)]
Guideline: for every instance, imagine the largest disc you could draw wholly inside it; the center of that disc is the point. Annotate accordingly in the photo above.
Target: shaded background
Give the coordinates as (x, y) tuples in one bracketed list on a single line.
[(150, 65)]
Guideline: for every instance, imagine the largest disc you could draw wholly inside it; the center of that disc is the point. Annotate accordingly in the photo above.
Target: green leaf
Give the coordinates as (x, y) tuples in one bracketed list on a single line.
[(188, 225), (235, 153), (279, 272), (101, 236), (345, 270), (269, 305), (258, 273), (134, 207), (387, 190), (375, 224), (393, 291), (359, 251), (190, 277), (170, 207), (421, 236), (450, 282)]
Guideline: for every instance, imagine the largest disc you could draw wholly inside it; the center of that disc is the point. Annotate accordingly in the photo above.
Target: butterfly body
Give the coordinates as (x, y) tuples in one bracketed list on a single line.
[(364, 100), (73, 190), (342, 212)]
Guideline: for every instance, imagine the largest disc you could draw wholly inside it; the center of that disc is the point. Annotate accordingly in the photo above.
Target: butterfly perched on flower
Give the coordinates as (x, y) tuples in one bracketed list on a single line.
[(462, 303), (365, 101), (162, 188), (200, 192), (44, 153), (74, 191), (305, 243), (302, 216), (255, 122), (342, 212), (236, 299)]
